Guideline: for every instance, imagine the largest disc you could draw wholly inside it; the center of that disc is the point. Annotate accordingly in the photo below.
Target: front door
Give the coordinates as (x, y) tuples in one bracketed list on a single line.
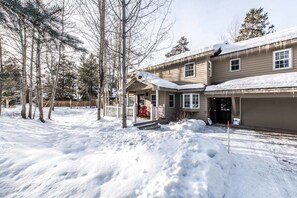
[(220, 110)]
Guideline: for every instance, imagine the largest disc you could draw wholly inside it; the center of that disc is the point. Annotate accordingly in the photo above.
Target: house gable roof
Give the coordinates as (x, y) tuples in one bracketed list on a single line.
[(159, 83)]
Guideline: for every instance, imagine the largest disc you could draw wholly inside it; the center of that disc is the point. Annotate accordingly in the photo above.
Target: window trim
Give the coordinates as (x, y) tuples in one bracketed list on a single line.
[(152, 99), (290, 59), (173, 101), (191, 101), (194, 70), (209, 68), (230, 65)]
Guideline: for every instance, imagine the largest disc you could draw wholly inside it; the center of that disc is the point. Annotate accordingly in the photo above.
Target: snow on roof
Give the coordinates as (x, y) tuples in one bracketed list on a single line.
[(279, 36), (213, 47), (156, 80), (256, 82)]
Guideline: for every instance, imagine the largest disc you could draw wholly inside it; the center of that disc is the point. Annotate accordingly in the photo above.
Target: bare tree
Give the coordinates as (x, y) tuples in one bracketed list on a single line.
[(233, 30), (31, 75), (60, 49), (94, 13), (144, 25), (102, 53)]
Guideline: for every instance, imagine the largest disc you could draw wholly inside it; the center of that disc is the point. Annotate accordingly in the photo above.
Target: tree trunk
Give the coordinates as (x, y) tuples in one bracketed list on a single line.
[(55, 84), (31, 78), (124, 77), (101, 55), (39, 78), (1, 76), (23, 35)]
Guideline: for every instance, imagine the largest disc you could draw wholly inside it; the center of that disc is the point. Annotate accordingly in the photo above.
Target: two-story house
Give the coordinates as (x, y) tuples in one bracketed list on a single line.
[(253, 81)]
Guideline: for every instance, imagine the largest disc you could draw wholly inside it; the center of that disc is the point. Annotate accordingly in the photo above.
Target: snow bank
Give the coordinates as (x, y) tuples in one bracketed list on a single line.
[(159, 82), (263, 81), (188, 124), (76, 156)]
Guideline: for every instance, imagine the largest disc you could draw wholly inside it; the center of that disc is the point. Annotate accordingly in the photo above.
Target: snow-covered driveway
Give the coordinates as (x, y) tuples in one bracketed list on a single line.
[(265, 164)]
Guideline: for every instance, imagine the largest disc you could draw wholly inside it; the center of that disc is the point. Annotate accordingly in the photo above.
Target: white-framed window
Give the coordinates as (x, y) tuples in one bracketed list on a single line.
[(171, 100), (153, 100), (209, 67), (235, 64), (189, 69), (191, 101), (282, 59)]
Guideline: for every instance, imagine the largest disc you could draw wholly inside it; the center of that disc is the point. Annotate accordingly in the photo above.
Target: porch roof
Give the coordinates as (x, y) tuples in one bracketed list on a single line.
[(264, 82), (155, 82)]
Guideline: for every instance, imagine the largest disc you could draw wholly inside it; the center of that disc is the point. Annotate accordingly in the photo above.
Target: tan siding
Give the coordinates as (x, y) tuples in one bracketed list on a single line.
[(254, 64), (176, 72), (202, 112)]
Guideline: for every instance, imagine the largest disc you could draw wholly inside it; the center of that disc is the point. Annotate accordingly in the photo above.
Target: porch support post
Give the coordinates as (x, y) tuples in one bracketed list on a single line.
[(152, 113), (134, 112), (234, 107), (157, 104)]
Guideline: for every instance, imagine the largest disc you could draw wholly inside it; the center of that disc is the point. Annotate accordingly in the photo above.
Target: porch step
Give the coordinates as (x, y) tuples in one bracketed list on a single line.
[(149, 125)]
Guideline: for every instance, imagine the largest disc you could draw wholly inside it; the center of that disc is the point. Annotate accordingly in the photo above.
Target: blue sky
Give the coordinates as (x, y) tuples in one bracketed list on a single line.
[(204, 21)]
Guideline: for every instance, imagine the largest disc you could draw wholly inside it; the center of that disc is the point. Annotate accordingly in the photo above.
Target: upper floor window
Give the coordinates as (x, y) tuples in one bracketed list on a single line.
[(282, 59), (189, 69), (171, 100), (191, 101), (235, 64)]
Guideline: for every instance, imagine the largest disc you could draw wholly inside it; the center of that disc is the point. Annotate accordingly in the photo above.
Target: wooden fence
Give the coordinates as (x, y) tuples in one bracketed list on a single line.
[(69, 103)]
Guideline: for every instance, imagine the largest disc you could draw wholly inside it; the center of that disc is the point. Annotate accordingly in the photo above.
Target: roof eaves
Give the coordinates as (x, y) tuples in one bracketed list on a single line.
[(180, 60)]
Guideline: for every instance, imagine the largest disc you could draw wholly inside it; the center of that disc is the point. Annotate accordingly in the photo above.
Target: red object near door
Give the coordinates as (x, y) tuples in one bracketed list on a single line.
[(143, 111)]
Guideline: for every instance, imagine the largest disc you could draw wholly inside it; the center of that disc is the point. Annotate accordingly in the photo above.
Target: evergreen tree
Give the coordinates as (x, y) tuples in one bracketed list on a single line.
[(87, 78), (10, 79), (67, 80), (181, 47), (255, 24)]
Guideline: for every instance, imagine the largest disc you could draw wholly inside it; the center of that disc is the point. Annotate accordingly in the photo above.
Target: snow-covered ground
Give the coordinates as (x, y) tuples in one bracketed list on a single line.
[(264, 164), (74, 155)]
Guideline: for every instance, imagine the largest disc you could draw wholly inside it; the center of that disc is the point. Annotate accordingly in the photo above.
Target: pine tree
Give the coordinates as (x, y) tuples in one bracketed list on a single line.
[(87, 79), (11, 80), (181, 47), (255, 24), (67, 80)]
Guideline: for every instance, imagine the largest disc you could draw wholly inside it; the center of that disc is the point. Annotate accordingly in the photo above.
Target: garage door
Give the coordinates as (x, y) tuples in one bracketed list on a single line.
[(278, 113)]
